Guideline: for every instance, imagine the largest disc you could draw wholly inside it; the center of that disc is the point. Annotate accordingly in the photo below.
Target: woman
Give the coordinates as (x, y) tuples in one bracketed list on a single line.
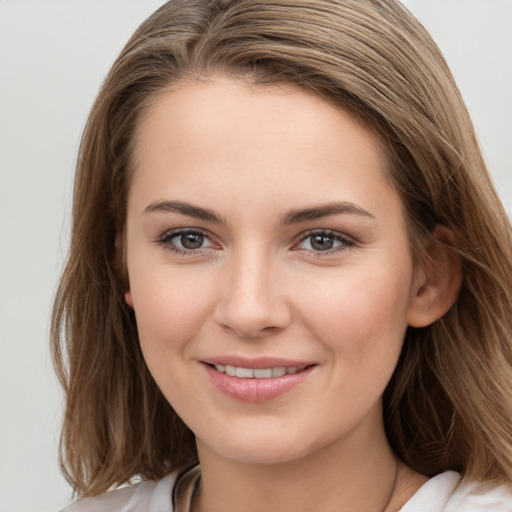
[(289, 282)]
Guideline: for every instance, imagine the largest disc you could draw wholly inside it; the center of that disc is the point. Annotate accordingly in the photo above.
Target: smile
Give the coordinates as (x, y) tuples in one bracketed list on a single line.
[(265, 382), (257, 373)]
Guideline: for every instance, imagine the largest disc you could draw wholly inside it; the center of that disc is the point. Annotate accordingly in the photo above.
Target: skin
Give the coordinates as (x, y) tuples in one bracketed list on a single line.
[(258, 287)]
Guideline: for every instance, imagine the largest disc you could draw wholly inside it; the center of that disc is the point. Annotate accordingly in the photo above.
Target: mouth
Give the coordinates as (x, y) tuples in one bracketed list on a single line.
[(257, 380), (258, 373)]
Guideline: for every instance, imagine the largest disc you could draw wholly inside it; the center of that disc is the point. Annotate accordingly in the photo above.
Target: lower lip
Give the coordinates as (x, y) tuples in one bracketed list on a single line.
[(255, 390)]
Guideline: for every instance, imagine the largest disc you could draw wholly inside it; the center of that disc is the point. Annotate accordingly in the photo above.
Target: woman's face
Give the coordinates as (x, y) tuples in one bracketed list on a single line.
[(269, 267)]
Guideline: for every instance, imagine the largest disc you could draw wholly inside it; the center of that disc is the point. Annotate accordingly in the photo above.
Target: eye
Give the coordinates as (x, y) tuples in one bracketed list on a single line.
[(185, 240), (324, 241)]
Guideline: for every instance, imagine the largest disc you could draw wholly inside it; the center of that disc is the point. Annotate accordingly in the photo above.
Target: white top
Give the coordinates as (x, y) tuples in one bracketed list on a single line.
[(437, 495)]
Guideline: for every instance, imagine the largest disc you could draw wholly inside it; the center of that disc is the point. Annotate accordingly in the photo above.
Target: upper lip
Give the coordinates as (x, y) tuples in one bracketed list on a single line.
[(257, 362)]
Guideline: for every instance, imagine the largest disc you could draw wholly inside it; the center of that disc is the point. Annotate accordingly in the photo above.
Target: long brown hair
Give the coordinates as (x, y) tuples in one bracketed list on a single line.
[(449, 403)]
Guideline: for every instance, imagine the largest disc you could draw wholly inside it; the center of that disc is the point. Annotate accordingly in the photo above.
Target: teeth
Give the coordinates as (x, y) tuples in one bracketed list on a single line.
[(244, 373), (278, 372), (257, 373), (263, 373)]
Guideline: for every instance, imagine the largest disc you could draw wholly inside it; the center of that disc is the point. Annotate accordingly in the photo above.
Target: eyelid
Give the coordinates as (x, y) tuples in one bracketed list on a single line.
[(165, 240), (347, 242)]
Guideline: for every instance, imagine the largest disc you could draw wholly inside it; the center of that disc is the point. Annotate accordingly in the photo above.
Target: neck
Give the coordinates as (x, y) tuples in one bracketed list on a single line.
[(347, 475)]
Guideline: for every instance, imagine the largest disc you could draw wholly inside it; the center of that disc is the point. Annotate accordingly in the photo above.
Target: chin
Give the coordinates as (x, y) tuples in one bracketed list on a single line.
[(258, 448)]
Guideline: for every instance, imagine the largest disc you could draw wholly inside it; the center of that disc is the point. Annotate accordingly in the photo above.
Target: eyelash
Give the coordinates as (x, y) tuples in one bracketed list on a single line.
[(166, 241), (346, 242)]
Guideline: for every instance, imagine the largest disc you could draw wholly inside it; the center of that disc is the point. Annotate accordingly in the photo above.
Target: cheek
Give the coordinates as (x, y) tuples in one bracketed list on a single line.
[(170, 307), (361, 314)]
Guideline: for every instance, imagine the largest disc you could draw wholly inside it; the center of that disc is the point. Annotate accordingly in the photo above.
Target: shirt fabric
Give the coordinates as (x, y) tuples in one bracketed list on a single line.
[(174, 493)]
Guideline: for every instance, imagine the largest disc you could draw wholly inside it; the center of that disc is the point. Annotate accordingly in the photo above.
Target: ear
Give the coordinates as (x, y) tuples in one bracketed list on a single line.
[(122, 268), (438, 281), (128, 298)]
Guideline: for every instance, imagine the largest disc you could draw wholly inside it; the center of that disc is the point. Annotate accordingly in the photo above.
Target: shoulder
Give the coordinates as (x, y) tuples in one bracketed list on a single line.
[(481, 497), (441, 494), (148, 496)]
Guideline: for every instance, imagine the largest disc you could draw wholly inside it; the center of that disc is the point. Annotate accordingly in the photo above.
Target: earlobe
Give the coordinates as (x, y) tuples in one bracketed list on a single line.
[(438, 282), (128, 298), (121, 268)]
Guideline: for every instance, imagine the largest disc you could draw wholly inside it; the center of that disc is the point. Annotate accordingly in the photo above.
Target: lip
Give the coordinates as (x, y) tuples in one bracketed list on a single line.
[(256, 390), (257, 362)]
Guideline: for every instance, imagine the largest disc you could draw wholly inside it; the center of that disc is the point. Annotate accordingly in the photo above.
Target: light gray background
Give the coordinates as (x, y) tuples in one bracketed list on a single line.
[(53, 56)]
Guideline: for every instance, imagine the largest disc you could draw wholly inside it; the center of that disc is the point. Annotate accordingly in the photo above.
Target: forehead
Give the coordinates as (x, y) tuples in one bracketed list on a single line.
[(279, 138), (201, 107)]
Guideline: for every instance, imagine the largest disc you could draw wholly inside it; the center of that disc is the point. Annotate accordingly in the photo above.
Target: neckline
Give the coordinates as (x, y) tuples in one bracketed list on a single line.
[(185, 489), (444, 483), (187, 483)]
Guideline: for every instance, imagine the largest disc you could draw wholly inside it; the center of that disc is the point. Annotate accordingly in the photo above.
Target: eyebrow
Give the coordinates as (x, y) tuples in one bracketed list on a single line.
[(291, 217), (324, 210), (185, 209)]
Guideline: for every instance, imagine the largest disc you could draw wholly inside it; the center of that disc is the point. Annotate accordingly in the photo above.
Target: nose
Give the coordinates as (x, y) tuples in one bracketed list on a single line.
[(252, 300)]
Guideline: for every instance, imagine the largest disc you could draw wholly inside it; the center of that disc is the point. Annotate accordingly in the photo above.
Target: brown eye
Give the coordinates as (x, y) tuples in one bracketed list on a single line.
[(324, 241), (185, 240), (191, 241), (321, 242)]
